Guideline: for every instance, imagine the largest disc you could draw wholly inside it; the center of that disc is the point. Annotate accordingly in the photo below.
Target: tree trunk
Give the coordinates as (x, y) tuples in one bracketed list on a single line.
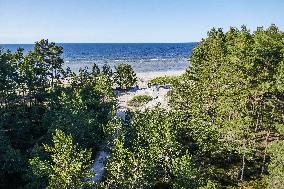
[(257, 122), (265, 152), (243, 168)]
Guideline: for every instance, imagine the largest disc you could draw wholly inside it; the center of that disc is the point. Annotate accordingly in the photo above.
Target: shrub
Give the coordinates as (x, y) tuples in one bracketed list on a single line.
[(106, 71), (124, 76), (95, 70), (163, 80), (139, 100)]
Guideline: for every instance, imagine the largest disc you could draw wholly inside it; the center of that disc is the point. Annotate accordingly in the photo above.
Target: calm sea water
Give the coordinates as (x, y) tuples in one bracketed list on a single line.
[(142, 56)]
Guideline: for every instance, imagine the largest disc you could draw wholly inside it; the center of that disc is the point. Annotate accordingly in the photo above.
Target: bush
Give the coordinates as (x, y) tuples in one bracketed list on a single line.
[(139, 100), (124, 76), (106, 71), (163, 80)]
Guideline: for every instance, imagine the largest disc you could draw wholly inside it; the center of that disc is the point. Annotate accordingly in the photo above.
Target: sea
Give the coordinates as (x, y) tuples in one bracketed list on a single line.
[(143, 57)]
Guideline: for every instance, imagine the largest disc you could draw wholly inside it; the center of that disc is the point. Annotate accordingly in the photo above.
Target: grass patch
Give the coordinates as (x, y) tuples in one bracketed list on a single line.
[(139, 100), (163, 80)]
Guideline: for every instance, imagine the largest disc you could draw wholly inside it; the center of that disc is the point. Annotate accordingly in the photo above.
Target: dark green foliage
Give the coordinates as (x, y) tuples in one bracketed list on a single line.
[(124, 76), (83, 108), (230, 100), (276, 165), (69, 167), (95, 70), (139, 100), (34, 102), (8, 76), (106, 71), (145, 154), (11, 161)]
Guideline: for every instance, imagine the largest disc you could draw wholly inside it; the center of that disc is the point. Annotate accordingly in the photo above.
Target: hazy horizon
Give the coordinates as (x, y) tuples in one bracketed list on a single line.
[(102, 43)]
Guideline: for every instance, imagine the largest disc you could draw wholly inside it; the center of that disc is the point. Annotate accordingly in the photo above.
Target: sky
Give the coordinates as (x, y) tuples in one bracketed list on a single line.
[(130, 21)]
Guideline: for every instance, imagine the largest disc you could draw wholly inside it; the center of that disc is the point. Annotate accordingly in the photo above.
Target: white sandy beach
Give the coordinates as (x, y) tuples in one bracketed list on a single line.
[(152, 75), (159, 95), (144, 77)]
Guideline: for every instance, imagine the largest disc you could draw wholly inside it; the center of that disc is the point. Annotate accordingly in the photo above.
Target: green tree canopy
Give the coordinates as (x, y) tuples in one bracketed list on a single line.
[(38, 96), (69, 167), (230, 100), (145, 154)]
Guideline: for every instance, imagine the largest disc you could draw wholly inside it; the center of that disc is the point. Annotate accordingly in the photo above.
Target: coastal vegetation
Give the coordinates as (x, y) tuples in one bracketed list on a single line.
[(124, 76), (35, 102), (70, 167), (139, 100), (229, 106), (146, 154), (164, 80), (224, 127)]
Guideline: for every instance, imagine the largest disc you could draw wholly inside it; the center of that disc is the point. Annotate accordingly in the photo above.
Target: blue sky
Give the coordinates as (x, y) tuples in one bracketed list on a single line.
[(26, 21)]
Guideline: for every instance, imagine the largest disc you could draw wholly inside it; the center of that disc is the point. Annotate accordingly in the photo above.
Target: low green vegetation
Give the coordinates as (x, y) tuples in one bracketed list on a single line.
[(163, 80), (139, 100), (124, 76)]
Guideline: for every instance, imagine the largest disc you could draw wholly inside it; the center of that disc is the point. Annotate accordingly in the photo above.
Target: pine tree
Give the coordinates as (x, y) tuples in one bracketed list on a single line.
[(231, 99), (69, 167), (145, 154)]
